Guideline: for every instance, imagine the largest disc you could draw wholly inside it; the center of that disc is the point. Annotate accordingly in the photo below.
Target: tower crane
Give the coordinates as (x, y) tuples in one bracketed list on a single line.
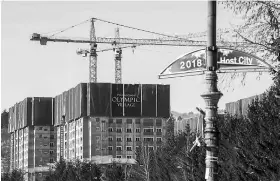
[(92, 55), (128, 42), (118, 57)]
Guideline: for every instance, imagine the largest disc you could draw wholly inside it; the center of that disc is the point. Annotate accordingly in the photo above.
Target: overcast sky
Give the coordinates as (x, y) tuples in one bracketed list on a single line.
[(31, 70)]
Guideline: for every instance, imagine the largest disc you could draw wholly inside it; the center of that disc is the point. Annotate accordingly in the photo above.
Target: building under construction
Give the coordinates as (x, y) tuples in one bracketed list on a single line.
[(99, 119), (87, 122), (33, 136)]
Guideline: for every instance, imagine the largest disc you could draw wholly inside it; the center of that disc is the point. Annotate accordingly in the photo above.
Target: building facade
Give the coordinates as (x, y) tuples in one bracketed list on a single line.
[(90, 138), (240, 107), (194, 122), (32, 137), (87, 122), (103, 119)]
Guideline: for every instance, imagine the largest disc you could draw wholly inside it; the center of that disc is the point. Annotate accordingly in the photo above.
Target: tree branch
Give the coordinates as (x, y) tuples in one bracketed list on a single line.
[(266, 4), (250, 41)]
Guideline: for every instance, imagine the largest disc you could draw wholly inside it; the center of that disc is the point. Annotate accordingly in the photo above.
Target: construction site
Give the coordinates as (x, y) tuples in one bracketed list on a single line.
[(94, 121)]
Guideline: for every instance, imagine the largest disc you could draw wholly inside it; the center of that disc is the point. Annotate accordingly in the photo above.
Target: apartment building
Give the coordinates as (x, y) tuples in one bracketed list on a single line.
[(33, 137), (100, 119), (193, 122), (120, 137), (240, 107), (86, 122), (88, 138)]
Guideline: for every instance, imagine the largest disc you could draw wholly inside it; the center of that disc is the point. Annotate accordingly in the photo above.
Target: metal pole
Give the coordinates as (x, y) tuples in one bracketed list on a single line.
[(211, 97)]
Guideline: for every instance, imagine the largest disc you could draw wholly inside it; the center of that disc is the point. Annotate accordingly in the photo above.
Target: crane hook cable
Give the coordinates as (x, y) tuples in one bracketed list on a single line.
[(147, 31), (63, 30)]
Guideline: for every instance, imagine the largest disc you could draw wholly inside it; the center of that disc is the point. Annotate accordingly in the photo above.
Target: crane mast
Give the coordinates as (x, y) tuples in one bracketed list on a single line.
[(118, 57), (92, 54)]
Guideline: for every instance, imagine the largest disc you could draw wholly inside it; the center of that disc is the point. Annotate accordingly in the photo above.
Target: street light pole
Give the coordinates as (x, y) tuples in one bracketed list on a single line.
[(211, 97)]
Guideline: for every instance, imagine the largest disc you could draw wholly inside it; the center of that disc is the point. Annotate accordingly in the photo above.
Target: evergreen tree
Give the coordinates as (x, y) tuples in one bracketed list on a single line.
[(15, 175), (252, 149), (74, 171)]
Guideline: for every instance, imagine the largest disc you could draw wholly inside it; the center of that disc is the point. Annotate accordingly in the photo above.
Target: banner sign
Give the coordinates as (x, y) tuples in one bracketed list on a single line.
[(194, 63), (229, 59), (117, 100), (132, 100), (127, 100), (188, 63)]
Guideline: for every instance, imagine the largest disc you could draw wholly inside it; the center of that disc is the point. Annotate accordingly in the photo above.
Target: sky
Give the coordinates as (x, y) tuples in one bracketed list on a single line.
[(29, 69)]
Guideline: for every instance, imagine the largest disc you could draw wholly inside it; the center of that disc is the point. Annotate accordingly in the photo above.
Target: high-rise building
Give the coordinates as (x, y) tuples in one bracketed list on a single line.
[(33, 137), (102, 119), (88, 122)]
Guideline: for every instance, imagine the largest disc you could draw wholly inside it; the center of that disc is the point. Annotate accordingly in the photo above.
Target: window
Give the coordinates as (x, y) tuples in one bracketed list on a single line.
[(45, 137), (128, 130), (158, 139), (52, 136), (97, 128), (158, 130), (137, 138), (40, 136), (45, 129), (45, 144), (148, 130), (128, 157), (119, 139), (129, 139), (137, 130), (40, 128), (110, 148), (97, 138), (81, 148), (148, 139), (51, 152), (40, 174), (51, 160), (119, 156), (110, 129), (52, 129), (119, 148), (151, 148), (110, 138), (119, 130), (128, 148), (51, 144)]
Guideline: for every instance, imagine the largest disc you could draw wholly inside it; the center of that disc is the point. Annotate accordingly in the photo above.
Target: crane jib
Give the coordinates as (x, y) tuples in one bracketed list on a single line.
[(164, 42)]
